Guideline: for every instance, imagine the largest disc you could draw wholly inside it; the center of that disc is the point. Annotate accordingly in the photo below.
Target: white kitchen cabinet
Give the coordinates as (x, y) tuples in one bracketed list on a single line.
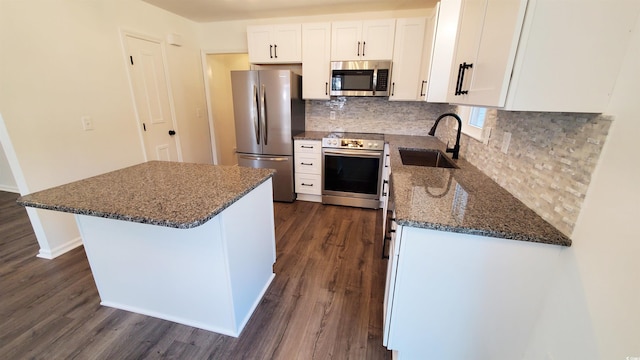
[(445, 289), (561, 56), (488, 34), (275, 44), (316, 60), (411, 56), (362, 40), (308, 169), (444, 45)]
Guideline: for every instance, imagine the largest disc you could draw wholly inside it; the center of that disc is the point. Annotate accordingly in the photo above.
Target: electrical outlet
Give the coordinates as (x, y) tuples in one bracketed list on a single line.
[(332, 115), (87, 123), (506, 140), (486, 136)]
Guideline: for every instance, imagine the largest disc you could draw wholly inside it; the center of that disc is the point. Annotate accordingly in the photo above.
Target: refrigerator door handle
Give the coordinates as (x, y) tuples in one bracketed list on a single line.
[(255, 119), (262, 158), (263, 108)]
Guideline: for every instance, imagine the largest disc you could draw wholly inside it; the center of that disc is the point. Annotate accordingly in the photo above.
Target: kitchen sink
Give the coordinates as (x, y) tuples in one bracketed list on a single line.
[(426, 157)]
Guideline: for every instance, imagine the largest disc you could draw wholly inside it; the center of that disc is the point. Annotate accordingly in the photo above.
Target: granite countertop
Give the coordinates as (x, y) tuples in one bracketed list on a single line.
[(462, 200), (171, 194)]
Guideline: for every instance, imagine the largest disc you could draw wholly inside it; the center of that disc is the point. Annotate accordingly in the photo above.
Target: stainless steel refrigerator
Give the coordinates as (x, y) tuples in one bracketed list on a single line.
[(268, 110)]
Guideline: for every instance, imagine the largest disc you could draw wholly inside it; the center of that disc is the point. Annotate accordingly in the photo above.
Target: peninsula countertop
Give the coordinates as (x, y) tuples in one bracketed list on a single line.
[(462, 200), (170, 194)]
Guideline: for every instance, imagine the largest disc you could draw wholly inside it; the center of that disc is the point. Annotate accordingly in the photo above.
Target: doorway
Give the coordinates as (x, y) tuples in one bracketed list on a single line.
[(219, 67), (147, 73)]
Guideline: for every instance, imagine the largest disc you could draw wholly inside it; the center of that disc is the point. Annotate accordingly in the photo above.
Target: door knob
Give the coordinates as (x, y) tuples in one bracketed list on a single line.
[(172, 132)]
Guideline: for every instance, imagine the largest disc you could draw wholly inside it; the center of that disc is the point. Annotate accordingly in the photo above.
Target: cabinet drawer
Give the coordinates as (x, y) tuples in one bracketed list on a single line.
[(308, 163), (308, 146), (308, 184)]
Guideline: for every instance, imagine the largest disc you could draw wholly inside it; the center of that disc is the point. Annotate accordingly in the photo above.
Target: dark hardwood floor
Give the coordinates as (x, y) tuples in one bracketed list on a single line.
[(324, 303)]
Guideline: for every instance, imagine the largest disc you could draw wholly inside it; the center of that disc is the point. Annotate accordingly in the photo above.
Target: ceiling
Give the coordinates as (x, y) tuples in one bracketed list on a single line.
[(219, 10)]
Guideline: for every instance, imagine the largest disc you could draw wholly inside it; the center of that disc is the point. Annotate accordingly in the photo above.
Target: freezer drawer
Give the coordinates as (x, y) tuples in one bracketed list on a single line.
[(283, 178)]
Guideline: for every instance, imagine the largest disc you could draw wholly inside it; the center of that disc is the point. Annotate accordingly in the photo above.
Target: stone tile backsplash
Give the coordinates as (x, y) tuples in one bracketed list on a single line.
[(373, 115), (548, 165)]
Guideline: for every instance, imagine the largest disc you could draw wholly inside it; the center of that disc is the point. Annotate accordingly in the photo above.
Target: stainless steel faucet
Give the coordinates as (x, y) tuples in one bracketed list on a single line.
[(456, 148)]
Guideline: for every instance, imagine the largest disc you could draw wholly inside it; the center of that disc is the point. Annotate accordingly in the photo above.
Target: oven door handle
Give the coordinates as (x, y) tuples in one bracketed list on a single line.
[(357, 153)]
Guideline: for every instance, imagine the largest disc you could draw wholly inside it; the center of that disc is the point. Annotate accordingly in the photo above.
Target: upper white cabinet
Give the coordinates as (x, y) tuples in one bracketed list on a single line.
[(444, 46), (316, 60), (561, 56), (485, 49), (412, 58), (275, 44), (570, 54), (362, 40)]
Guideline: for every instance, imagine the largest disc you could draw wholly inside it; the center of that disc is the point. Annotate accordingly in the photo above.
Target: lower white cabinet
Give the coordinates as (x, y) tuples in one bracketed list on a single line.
[(459, 296), (308, 168)]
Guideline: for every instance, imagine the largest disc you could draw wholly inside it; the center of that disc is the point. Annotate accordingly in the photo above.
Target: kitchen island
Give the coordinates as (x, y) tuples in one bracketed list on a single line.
[(189, 243)]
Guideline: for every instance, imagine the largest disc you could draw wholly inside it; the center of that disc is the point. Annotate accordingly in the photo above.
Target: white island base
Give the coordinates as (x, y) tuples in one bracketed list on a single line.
[(211, 277)]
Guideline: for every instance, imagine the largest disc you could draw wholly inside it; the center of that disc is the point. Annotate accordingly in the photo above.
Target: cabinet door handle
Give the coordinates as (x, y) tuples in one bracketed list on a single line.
[(306, 147), (458, 80), (393, 88), (358, 48), (275, 51), (461, 70), (363, 45), (271, 51), (308, 164), (422, 93), (303, 184), (384, 243), (326, 88)]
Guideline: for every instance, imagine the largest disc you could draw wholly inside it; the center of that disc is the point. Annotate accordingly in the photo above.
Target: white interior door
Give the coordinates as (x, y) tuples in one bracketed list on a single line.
[(151, 96)]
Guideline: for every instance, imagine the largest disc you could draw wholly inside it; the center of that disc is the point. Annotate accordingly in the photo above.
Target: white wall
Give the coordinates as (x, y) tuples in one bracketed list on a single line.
[(593, 308), (63, 59), (7, 181)]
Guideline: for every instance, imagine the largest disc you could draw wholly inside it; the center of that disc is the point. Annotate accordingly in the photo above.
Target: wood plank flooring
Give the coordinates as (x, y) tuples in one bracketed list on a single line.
[(324, 303)]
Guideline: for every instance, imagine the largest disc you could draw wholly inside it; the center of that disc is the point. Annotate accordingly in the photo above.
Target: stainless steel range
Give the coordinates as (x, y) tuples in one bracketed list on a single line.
[(352, 169)]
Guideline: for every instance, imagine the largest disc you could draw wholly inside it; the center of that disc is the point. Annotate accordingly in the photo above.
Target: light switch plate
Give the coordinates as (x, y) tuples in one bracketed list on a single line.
[(87, 123)]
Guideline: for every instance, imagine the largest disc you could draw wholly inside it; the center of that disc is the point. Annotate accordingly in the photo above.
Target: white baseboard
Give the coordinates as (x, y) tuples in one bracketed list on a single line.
[(59, 250), (175, 319), (11, 189)]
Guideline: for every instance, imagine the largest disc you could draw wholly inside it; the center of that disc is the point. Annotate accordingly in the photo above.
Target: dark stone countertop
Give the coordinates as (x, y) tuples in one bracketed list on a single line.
[(462, 200), (171, 194)]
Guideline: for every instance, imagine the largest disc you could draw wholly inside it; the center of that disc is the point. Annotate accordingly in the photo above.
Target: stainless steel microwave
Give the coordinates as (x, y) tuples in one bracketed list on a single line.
[(360, 78)]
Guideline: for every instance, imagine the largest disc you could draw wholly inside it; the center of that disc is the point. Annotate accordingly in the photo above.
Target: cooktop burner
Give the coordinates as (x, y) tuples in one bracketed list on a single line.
[(349, 140)]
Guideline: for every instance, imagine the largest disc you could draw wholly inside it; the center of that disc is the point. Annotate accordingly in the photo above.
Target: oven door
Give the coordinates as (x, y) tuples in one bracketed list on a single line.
[(351, 177)]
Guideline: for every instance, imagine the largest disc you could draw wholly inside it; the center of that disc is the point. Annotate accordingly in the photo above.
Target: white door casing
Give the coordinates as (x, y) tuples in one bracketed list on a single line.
[(151, 96)]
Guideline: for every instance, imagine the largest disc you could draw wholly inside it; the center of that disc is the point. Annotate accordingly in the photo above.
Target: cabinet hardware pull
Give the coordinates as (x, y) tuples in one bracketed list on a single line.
[(306, 147), (303, 184), (271, 51), (275, 51), (422, 93), (358, 48), (458, 81), (384, 242), (393, 88), (461, 70), (326, 88), (363, 45), (310, 164)]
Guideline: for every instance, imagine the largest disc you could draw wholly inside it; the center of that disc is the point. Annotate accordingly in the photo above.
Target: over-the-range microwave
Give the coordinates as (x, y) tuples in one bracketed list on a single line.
[(360, 78)]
